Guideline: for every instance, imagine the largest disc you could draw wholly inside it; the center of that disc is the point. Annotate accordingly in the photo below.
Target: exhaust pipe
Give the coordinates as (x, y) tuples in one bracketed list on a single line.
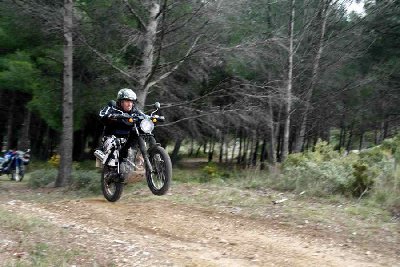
[(100, 155)]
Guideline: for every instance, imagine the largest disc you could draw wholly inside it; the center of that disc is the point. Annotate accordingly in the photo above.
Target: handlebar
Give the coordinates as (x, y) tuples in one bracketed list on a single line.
[(130, 119), (158, 118)]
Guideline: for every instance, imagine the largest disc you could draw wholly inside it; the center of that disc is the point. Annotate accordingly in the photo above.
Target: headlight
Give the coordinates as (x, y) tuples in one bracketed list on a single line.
[(147, 125)]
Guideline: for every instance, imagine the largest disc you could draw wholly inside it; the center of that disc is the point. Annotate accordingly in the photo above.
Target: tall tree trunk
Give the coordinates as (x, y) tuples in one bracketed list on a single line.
[(343, 133), (263, 154), (323, 14), (148, 52), (65, 169), (376, 135), (226, 150), (198, 150), (239, 157), (341, 137), (250, 151), (360, 147), (272, 134), (11, 123), (256, 146), (175, 152), (271, 123), (234, 145), (24, 141), (288, 93), (349, 142), (221, 147), (191, 147), (381, 132), (211, 151), (385, 128), (245, 152), (279, 139)]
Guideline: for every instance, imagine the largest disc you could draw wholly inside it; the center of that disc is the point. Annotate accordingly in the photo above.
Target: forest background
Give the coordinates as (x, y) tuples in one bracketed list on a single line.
[(244, 83)]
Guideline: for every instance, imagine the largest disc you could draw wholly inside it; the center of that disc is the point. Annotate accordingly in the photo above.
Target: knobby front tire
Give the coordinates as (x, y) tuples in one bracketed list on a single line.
[(159, 180)]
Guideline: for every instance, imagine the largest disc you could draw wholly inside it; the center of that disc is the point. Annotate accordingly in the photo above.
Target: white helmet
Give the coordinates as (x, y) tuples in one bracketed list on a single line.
[(126, 93)]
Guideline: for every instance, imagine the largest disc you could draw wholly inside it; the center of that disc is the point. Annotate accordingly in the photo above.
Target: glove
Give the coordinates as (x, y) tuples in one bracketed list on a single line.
[(119, 116)]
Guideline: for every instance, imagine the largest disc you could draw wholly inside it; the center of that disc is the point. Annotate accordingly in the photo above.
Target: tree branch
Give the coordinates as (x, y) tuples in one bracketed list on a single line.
[(165, 75), (134, 13), (107, 60)]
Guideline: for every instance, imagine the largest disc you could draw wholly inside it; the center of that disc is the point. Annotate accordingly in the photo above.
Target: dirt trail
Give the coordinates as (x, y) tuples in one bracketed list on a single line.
[(159, 232)]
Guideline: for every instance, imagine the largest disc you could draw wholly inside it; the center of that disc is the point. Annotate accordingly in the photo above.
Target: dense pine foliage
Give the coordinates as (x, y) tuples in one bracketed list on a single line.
[(219, 68)]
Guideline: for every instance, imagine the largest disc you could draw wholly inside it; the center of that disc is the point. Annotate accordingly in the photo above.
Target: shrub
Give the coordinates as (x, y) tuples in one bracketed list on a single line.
[(363, 179), (42, 177), (84, 165), (325, 171), (320, 172), (81, 179), (373, 172), (209, 172), (54, 160), (386, 190), (322, 152), (212, 172), (373, 156), (317, 178), (382, 162), (86, 180)]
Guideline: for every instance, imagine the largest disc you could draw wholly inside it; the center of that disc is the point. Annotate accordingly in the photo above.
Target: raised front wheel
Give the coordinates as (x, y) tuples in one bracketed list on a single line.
[(160, 179)]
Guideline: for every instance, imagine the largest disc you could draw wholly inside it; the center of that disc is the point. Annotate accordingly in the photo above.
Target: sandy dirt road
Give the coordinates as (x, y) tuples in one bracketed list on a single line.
[(161, 232)]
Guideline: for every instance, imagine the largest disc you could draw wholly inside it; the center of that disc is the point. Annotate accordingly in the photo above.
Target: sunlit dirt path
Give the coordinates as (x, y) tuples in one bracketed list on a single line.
[(159, 232)]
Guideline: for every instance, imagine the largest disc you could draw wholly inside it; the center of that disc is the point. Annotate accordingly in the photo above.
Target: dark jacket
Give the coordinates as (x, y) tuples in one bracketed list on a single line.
[(114, 126)]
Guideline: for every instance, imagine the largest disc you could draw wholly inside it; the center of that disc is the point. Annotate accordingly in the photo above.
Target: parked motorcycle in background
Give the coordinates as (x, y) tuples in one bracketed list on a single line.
[(13, 164)]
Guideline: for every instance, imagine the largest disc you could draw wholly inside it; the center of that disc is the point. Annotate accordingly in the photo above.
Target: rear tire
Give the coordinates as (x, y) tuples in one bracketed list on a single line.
[(159, 181), (17, 174), (111, 186)]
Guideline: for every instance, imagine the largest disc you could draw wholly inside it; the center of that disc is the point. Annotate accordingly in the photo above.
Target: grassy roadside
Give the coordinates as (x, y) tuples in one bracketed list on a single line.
[(345, 221), (339, 223), (30, 241)]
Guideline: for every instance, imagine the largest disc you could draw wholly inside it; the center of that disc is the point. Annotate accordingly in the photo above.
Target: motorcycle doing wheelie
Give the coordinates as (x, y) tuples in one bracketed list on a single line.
[(14, 163), (142, 151)]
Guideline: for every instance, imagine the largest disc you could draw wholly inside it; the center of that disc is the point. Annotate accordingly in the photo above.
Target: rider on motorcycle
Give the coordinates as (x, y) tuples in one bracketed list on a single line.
[(116, 131)]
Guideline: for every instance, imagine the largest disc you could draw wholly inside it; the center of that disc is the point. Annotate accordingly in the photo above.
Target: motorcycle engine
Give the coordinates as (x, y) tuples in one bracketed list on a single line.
[(126, 168)]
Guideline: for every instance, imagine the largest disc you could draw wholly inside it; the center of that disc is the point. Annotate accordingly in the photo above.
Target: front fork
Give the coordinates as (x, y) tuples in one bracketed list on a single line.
[(143, 149)]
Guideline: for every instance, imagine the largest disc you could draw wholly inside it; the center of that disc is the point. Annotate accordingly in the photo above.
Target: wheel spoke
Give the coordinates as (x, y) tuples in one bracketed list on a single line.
[(109, 184), (158, 177)]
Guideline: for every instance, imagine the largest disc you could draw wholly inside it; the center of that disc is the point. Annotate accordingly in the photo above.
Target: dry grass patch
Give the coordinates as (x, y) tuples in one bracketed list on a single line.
[(29, 241)]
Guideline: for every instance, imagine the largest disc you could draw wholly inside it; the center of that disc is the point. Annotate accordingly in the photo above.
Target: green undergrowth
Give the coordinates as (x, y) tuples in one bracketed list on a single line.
[(85, 180), (34, 247), (371, 177)]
